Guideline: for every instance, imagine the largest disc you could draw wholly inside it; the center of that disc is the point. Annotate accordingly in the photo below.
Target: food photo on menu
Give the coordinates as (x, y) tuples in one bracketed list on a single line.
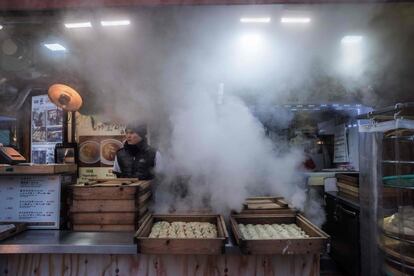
[(54, 117), (98, 151), (39, 134), (39, 119), (54, 134)]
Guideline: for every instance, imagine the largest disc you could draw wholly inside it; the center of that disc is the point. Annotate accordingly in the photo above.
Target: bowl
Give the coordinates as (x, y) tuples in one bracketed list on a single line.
[(89, 152), (109, 147)]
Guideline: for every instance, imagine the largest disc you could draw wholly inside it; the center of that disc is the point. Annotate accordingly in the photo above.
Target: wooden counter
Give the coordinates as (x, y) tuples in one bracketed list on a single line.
[(52, 252), (162, 265), (37, 169)]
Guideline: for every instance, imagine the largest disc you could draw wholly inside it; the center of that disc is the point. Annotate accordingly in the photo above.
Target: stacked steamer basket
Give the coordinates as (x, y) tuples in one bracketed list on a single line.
[(109, 205), (348, 184), (267, 225), (266, 205), (397, 241)]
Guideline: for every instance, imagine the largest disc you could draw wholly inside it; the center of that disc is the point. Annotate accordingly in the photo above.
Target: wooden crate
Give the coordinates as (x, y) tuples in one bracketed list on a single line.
[(348, 184), (191, 246), (266, 205), (348, 189), (350, 179), (316, 243), (109, 205)]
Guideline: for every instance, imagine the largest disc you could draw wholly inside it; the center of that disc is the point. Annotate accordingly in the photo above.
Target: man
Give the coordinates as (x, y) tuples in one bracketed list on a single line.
[(136, 159)]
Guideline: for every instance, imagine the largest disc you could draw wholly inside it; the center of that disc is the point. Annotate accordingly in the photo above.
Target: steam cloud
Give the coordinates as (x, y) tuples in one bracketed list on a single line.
[(165, 70), (224, 155)]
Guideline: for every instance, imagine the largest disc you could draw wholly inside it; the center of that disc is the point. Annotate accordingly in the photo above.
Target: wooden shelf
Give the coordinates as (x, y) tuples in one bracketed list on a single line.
[(38, 169)]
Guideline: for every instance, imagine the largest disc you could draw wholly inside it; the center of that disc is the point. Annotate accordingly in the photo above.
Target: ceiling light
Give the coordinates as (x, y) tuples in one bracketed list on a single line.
[(351, 39), (255, 20), (293, 20), (55, 47), (115, 23), (78, 25), (1, 27)]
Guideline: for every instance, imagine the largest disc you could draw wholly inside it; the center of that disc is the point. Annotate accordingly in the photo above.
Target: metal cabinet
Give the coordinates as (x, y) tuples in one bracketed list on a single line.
[(343, 226)]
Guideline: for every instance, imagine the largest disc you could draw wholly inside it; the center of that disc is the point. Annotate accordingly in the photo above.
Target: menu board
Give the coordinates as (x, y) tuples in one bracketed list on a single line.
[(31, 199), (47, 129)]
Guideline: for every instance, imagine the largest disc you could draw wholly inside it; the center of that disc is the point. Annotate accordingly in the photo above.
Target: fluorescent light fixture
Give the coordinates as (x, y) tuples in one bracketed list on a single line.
[(55, 47), (115, 23), (294, 20), (78, 25), (351, 39), (255, 20)]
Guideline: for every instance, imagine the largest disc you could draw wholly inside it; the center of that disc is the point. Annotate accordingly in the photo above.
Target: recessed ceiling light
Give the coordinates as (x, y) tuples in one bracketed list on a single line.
[(108, 23), (351, 39), (255, 20), (74, 25), (54, 47), (295, 20)]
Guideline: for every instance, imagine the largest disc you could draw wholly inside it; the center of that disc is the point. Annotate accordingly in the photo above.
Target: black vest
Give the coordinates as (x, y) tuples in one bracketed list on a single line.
[(136, 161)]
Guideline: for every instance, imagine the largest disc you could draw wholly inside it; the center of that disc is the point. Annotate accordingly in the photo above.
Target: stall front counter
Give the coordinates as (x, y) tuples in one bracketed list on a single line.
[(54, 252)]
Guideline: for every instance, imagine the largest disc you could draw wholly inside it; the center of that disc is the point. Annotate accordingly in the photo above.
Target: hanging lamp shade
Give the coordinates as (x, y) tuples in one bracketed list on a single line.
[(65, 97)]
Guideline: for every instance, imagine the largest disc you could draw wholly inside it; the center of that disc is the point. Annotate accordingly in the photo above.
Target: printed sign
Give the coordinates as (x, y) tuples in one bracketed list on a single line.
[(31, 199), (85, 174), (341, 154), (98, 143), (91, 126)]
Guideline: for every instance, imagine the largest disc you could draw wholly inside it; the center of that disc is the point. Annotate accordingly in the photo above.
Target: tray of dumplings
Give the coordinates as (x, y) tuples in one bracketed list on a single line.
[(182, 234), (277, 234)]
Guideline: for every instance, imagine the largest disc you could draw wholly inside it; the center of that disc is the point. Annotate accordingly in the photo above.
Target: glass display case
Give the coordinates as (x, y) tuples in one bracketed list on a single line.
[(397, 212), (387, 204)]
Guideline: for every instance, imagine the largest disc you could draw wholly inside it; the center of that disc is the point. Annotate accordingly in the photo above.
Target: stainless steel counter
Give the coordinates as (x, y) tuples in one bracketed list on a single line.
[(68, 242)]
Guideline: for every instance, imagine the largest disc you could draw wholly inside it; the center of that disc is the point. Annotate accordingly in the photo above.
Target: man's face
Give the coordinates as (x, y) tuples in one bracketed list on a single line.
[(132, 137)]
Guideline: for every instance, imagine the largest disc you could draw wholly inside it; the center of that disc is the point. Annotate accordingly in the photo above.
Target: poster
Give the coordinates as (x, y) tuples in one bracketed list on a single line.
[(31, 199), (98, 142), (47, 129)]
